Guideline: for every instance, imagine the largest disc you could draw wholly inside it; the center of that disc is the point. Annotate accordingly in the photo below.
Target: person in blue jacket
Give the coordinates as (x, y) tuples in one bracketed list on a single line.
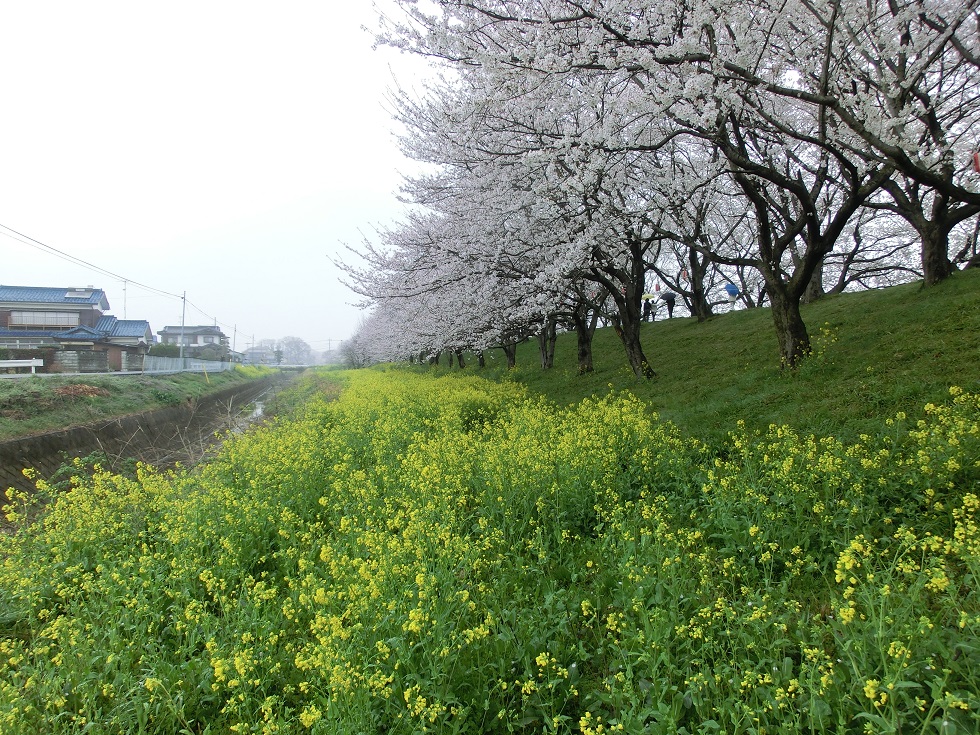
[(732, 290)]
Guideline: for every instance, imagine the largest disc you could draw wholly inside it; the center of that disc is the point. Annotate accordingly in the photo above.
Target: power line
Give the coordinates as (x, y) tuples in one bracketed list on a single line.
[(38, 245), (328, 341), (209, 316), (79, 261)]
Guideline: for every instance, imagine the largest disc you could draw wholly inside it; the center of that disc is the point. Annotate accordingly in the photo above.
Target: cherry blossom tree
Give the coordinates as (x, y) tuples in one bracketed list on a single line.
[(902, 76), (569, 119), (556, 207)]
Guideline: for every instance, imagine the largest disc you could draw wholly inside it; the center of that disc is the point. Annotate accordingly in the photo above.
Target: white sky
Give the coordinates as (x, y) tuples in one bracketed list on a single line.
[(223, 148)]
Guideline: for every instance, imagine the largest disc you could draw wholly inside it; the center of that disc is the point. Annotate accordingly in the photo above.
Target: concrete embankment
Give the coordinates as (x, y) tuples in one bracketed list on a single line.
[(181, 433)]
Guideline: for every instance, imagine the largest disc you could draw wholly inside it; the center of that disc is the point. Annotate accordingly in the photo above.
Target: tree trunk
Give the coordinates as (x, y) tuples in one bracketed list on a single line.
[(932, 226), (700, 307), (814, 289), (629, 332), (584, 351), (794, 341), (629, 299), (936, 265), (584, 329), (510, 350), (459, 359), (547, 338), (449, 356)]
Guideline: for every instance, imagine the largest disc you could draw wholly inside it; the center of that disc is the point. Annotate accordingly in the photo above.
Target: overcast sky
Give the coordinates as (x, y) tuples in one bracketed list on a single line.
[(220, 148)]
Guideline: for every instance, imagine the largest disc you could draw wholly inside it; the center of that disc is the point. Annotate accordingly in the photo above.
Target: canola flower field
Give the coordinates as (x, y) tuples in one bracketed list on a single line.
[(408, 553)]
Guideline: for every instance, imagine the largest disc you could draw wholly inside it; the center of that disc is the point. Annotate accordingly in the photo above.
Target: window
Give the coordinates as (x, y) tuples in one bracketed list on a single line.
[(44, 319)]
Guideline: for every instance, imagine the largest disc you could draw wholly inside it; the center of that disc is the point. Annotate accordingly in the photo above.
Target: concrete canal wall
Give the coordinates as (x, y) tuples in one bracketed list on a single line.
[(162, 437)]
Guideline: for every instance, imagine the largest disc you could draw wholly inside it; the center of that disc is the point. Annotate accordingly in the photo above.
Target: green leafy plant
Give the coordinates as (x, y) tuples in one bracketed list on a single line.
[(449, 554)]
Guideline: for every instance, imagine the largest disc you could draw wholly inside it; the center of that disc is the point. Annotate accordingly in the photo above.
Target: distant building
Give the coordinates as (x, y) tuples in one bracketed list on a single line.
[(259, 356), (71, 327), (207, 342)]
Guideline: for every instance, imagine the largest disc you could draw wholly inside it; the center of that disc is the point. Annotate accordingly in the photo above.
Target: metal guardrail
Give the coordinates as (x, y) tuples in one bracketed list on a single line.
[(152, 365), (32, 364), (157, 365)]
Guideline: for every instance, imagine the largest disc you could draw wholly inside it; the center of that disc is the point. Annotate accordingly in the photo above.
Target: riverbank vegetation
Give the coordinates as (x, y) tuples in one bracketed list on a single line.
[(455, 555), (34, 404)]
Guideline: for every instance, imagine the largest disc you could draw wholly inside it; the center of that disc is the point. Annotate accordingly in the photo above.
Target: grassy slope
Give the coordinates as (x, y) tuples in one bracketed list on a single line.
[(300, 588), (895, 349), (33, 405), (877, 353)]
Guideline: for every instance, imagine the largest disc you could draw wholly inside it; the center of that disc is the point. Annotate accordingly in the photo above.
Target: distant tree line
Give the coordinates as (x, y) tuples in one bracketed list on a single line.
[(289, 351), (580, 155)]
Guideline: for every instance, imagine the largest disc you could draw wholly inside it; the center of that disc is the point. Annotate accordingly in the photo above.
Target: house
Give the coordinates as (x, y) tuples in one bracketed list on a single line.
[(69, 328), (207, 342), (259, 356)]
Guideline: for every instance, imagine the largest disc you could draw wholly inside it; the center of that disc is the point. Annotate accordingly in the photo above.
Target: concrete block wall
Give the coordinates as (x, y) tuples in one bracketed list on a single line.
[(132, 361), (80, 361)]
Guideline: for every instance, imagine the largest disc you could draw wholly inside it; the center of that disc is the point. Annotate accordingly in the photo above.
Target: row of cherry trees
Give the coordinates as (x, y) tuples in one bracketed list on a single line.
[(576, 152)]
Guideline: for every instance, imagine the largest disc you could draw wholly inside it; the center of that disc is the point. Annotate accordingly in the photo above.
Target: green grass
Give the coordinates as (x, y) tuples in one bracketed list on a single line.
[(36, 404), (447, 554), (400, 553), (875, 353)]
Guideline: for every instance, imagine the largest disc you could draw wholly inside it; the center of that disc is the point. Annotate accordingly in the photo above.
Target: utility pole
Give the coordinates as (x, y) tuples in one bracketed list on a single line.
[(183, 313)]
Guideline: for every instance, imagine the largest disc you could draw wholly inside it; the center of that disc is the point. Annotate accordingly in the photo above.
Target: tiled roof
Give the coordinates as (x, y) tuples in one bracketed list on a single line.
[(86, 333), (188, 330), (130, 328), (106, 323), (41, 295), (205, 329), (25, 333), (108, 327)]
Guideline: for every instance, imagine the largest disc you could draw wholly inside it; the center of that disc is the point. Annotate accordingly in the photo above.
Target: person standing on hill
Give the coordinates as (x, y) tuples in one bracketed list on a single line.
[(732, 290), (648, 299), (668, 298)]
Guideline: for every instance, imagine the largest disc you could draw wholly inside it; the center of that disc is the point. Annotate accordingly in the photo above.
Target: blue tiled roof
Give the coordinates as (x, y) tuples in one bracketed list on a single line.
[(130, 328), (107, 328), (79, 333), (122, 327), (26, 333), (106, 323), (42, 295)]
